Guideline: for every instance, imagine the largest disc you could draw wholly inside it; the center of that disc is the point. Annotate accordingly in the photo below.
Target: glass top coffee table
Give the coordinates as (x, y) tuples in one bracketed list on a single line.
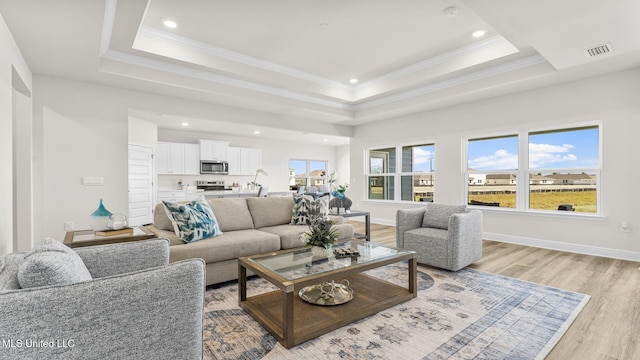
[(292, 320)]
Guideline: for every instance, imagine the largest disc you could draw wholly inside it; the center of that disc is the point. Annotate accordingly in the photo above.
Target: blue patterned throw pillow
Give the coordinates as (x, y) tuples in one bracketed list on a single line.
[(305, 207), (193, 221)]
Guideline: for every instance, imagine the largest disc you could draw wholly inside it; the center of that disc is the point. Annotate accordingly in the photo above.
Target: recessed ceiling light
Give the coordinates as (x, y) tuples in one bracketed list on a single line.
[(170, 24), (353, 81), (257, 132), (478, 33), (185, 124), (325, 139)]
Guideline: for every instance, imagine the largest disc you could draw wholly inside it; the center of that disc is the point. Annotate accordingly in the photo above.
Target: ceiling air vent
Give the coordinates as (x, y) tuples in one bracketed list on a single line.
[(599, 50)]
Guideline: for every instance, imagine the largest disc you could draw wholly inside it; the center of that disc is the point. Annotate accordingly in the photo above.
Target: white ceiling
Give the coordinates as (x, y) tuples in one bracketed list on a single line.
[(293, 59)]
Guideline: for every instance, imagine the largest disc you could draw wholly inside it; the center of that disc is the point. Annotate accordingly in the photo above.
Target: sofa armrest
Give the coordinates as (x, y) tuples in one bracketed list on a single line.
[(407, 219), (465, 231), (150, 314), (165, 234), (113, 259), (336, 219)]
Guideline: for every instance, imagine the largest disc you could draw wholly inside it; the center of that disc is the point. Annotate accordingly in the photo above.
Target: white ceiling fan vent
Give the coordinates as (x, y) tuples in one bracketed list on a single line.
[(599, 50)]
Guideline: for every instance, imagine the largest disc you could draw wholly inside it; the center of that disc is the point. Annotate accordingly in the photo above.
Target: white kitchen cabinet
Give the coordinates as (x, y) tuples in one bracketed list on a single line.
[(176, 196), (244, 161), (169, 158), (177, 158), (192, 159), (234, 161), (172, 196), (214, 150), (250, 160)]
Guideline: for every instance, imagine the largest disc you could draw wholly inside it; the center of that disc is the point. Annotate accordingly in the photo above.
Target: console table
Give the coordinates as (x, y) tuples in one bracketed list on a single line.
[(367, 223), (80, 238)]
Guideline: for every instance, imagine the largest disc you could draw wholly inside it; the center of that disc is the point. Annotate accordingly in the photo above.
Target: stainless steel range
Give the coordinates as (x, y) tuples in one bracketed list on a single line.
[(210, 185)]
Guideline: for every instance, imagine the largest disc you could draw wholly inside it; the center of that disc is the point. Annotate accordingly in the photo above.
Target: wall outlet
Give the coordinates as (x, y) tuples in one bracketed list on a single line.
[(68, 226), (624, 226)]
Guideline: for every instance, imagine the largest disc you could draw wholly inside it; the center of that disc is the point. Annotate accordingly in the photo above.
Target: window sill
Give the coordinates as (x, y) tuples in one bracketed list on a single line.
[(509, 211), (539, 213)]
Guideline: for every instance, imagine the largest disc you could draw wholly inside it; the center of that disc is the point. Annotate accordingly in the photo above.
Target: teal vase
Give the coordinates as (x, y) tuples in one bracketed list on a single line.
[(100, 218)]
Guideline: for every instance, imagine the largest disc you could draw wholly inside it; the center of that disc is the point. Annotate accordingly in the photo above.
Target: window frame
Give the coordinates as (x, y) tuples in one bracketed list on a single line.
[(308, 177), (397, 174), (522, 172)]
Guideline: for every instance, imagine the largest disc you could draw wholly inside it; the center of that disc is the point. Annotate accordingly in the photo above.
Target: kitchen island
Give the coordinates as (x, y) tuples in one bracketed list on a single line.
[(173, 195)]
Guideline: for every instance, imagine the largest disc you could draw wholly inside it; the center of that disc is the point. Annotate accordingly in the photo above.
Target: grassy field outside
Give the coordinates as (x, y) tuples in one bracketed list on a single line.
[(581, 201)]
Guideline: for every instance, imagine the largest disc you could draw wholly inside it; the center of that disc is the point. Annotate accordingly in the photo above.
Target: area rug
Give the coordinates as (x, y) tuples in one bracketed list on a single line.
[(467, 314)]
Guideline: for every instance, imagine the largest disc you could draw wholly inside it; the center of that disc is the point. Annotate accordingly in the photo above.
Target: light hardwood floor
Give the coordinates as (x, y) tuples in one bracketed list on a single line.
[(609, 326)]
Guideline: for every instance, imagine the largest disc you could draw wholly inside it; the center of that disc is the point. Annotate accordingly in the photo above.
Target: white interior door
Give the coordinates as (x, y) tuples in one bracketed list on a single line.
[(140, 185)]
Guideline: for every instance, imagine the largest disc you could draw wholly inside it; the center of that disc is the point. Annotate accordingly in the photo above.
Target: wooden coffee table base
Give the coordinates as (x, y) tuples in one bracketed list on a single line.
[(293, 321)]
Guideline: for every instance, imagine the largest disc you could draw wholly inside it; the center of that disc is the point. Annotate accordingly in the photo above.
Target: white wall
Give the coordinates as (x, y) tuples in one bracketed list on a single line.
[(275, 158), (82, 129), (142, 132), (343, 171), (14, 74), (611, 99)]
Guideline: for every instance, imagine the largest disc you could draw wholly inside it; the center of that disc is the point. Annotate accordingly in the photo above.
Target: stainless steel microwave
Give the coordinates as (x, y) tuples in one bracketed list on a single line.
[(214, 167)]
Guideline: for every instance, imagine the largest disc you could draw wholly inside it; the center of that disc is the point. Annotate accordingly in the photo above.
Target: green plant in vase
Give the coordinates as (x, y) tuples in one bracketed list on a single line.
[(321, 232)]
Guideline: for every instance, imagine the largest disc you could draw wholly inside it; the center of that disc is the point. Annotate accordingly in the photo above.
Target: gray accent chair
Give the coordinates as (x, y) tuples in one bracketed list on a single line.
[(444, 236), (137, 306)]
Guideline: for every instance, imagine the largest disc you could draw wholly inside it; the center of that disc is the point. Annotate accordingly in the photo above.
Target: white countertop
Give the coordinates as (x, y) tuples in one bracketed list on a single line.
[(208, 192)]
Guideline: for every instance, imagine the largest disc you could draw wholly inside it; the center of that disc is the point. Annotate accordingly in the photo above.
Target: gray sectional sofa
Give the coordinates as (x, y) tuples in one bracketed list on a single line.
[(250, 226)]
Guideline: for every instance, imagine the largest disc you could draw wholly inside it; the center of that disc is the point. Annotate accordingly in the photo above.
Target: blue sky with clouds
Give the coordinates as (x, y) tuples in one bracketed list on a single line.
[(300, 166), (567, 149), (423, 158)]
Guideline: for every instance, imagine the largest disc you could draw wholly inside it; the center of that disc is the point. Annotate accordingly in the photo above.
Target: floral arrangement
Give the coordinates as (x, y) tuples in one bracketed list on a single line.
[(339, 191)]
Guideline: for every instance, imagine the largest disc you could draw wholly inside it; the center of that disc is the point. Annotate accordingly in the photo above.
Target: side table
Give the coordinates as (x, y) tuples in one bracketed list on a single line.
[(367, 223), (80, 238)]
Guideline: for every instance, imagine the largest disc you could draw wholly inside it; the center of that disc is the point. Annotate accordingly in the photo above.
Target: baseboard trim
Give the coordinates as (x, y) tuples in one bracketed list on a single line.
[(560, 246), (383, 221)]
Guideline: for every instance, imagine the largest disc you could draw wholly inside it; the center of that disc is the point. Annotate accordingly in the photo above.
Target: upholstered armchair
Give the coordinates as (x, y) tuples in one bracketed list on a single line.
[(135, 305), (444, 236)]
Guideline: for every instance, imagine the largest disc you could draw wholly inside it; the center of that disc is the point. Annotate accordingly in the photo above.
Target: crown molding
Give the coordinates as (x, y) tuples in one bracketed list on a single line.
[(131, 59), (107, 25), (238, 57), (344, 105), (436, 60), (460, 80)]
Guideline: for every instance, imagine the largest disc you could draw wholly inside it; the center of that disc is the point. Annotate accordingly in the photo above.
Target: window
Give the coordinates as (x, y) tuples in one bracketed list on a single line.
[(562, 167), (307, 173), (412, 167), (492, 165)]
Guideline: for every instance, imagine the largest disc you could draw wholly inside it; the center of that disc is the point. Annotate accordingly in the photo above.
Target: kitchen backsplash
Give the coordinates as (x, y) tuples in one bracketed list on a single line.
[(171, 181)]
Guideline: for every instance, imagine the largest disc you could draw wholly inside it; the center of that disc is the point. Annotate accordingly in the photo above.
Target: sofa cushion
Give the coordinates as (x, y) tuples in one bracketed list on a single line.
[(194, 220), (232, 213), (9, 271), (305, 206), (230, 245), (270, 211), (289, 234), (437, 215), (51, 263)]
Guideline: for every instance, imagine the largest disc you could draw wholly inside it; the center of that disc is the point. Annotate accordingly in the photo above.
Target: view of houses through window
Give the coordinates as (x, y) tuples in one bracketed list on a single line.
[(562, 167), (307, 173), (415, 173)]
